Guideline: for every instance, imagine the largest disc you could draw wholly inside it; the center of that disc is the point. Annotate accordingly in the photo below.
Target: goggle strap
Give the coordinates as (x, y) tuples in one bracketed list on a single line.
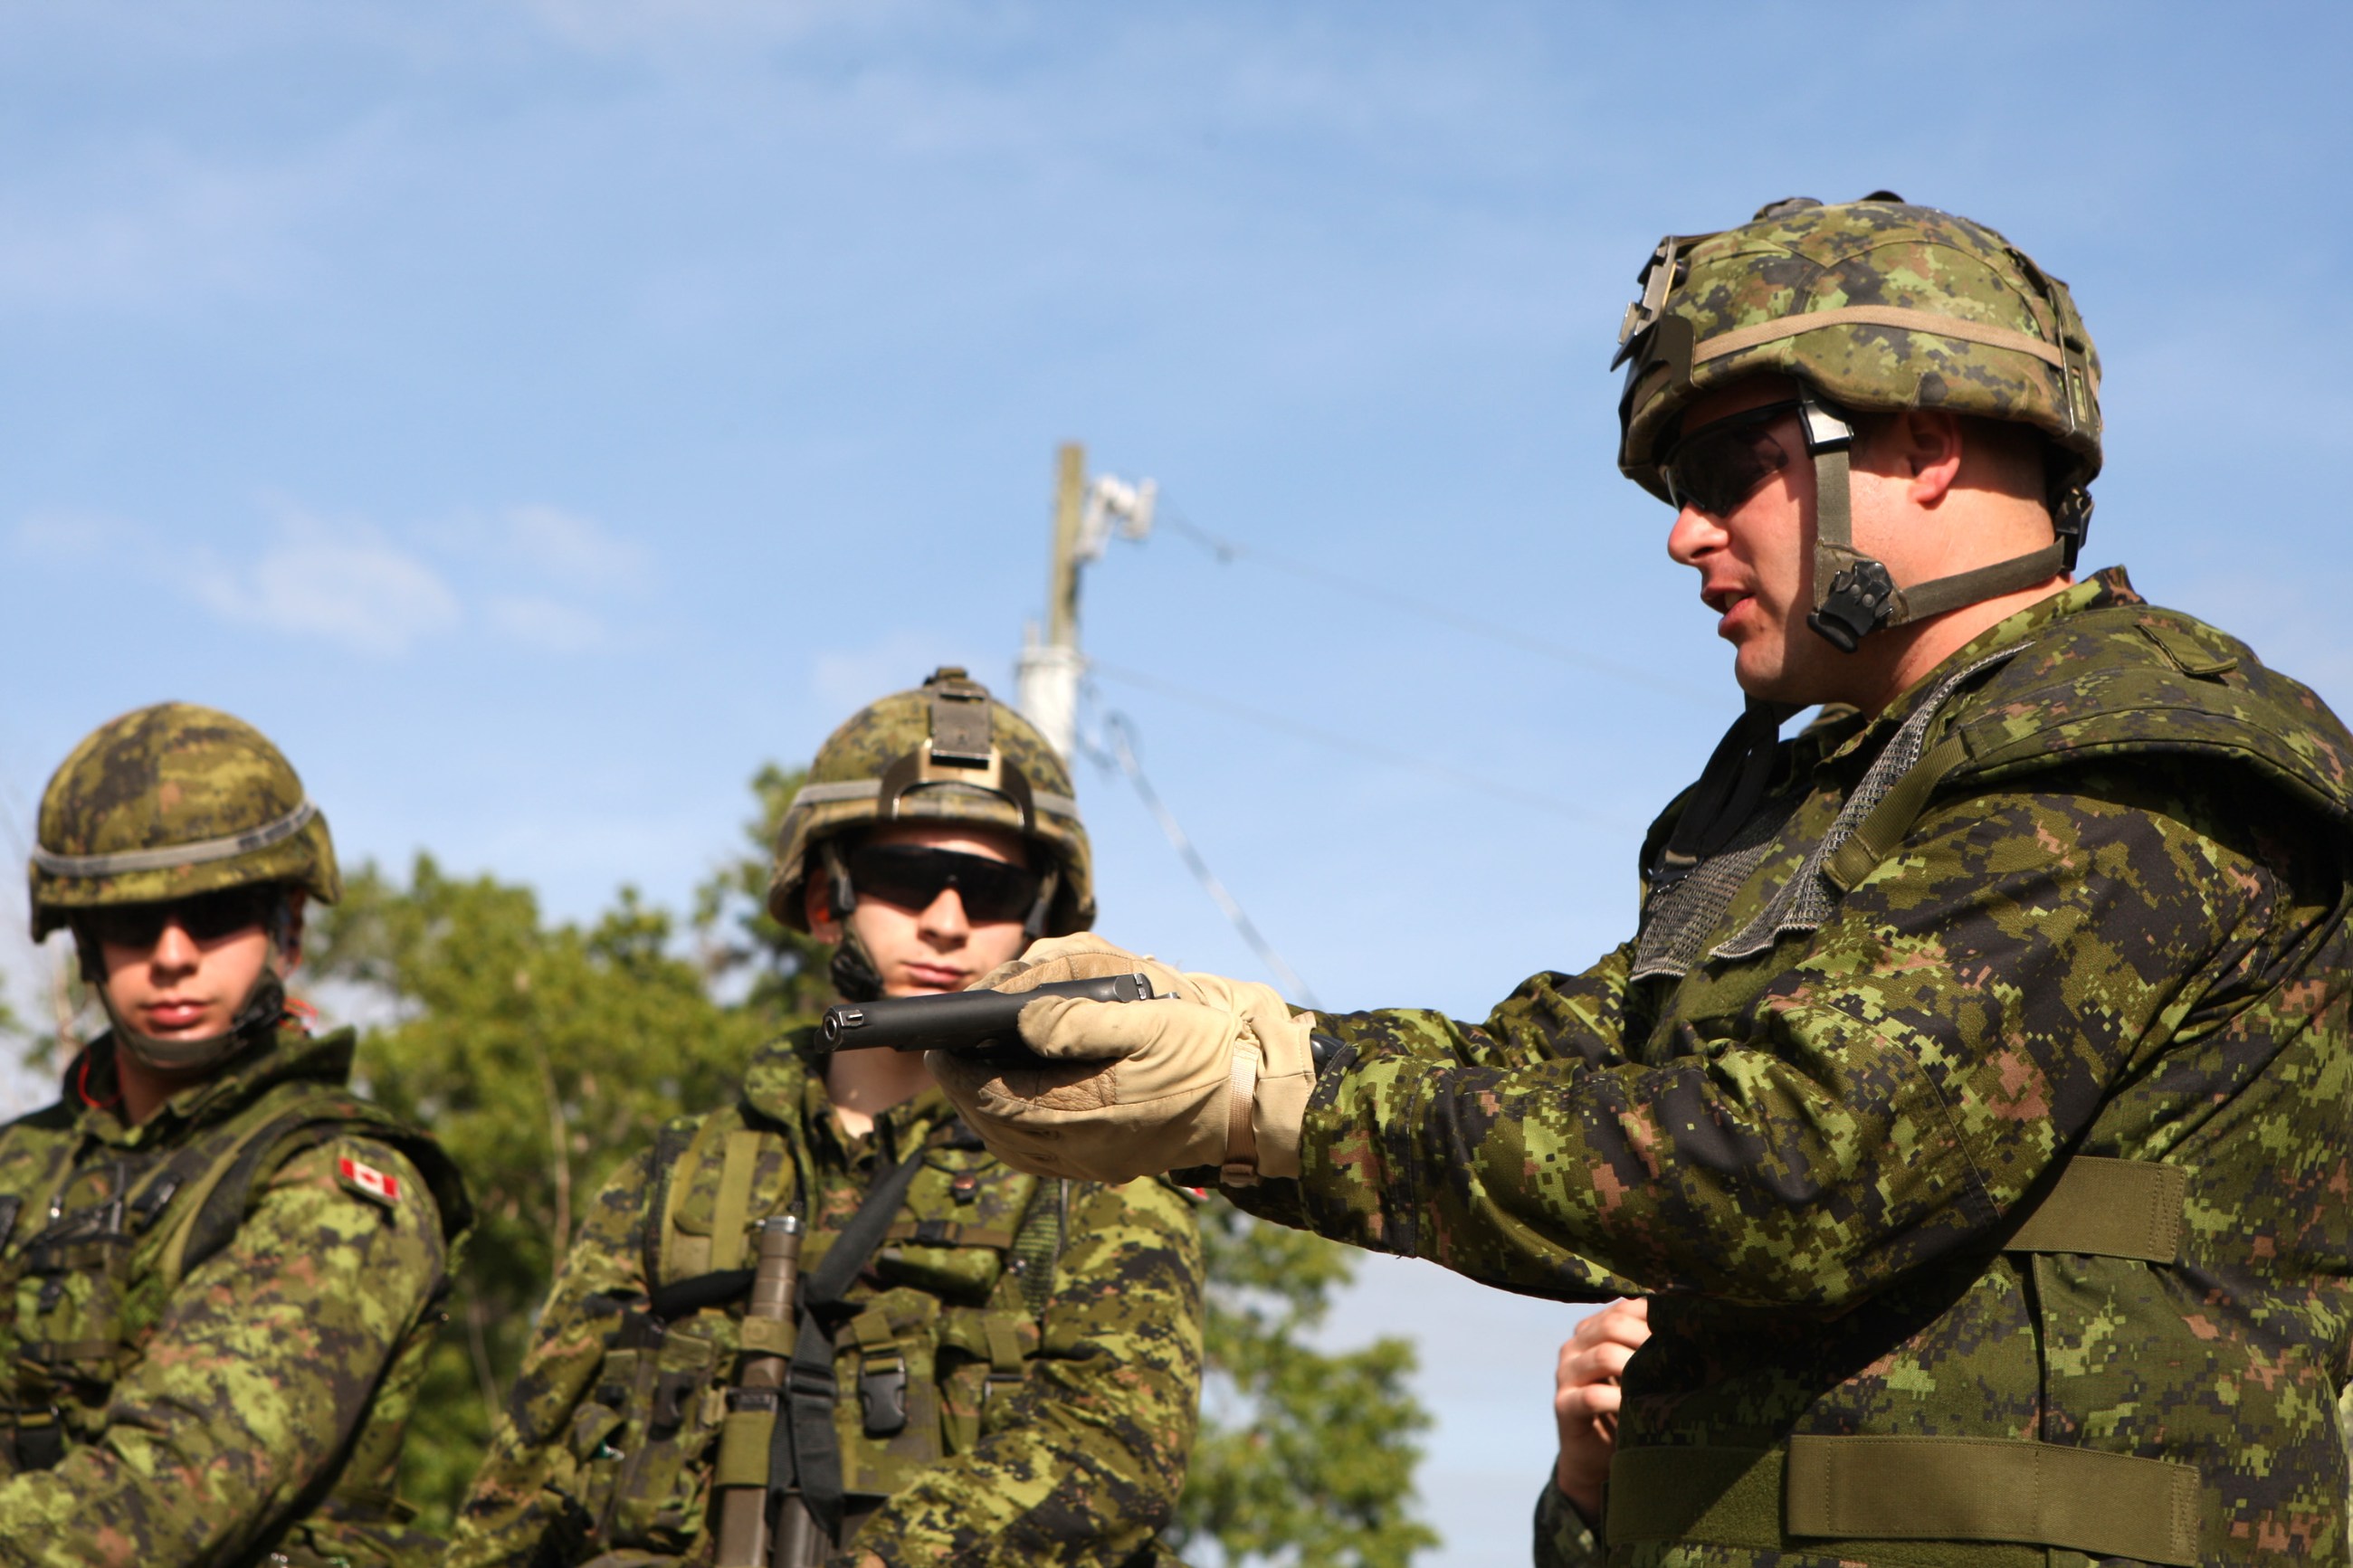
[(1049, 883), (814, 794), (201, 852), (1900, 318)]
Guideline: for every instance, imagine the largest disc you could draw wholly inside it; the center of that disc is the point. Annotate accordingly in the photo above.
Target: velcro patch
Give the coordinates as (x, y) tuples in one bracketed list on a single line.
[(382, 1187)]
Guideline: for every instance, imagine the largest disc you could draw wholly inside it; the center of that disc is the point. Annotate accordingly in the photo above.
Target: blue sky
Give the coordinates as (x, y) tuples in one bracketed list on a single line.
[(536, 415)]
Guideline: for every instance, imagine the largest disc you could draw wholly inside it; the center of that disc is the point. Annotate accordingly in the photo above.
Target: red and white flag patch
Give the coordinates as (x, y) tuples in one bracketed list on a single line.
[(368, 1181)]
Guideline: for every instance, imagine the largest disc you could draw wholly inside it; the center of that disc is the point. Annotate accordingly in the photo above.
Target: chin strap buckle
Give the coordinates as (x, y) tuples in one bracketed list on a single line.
[(1860, 600)]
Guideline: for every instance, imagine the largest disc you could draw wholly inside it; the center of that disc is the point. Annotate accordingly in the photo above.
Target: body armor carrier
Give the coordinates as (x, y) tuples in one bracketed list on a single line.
[(88, 1284), (2120, 679), (917, 1370)]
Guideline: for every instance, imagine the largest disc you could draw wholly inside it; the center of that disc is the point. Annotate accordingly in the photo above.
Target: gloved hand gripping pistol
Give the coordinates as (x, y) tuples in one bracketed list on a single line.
[(961, 1021)]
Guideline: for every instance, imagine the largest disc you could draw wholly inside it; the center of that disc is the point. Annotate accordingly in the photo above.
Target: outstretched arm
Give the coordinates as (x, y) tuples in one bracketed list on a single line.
[(1892, 1094)]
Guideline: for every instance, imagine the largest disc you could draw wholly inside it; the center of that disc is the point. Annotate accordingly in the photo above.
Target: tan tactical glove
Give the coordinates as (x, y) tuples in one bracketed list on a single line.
[(1210, 1072)]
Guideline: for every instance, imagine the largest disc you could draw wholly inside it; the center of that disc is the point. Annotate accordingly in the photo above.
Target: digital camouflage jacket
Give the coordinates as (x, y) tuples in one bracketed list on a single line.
[(214, 1321), (1038, 1346), (1978, 1117)]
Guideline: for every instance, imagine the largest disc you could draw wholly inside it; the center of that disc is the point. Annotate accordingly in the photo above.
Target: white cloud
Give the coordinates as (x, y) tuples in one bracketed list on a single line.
[(850, 678), (565, 546), (544, 624), (339, 580)]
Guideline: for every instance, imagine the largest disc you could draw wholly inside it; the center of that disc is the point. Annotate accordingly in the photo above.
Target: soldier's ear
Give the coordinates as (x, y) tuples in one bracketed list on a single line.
[(288, 935), (817, 902)]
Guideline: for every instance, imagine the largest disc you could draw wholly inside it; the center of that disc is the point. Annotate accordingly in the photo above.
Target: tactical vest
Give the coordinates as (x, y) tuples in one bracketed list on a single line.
[(82, 1289), (922, 1365), (2122, 680)]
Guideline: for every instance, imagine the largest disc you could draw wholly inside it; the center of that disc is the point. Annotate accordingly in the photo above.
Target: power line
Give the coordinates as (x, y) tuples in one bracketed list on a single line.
[(1410, 761), (1229, 550), (1118, 730)]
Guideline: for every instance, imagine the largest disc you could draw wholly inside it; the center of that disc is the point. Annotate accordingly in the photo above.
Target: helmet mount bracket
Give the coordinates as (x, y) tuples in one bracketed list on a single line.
[(925, 768)]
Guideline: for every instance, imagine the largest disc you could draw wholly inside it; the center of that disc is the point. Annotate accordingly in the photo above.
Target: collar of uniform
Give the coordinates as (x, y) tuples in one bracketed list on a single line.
[(2106, 586), (785, 1081), (294, 1055)]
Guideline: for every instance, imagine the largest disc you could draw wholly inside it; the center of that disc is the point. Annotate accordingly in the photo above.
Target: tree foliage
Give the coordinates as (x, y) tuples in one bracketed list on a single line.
[(543, 1054), (1306, 1457)]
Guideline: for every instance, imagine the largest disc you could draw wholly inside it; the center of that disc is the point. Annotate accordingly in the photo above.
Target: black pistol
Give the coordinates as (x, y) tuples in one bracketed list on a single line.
[(958, 1020)]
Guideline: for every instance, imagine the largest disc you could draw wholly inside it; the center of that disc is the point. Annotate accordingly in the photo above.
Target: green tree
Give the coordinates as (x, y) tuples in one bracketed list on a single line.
[(542, 1055), (1306, 1457), (781, 972)]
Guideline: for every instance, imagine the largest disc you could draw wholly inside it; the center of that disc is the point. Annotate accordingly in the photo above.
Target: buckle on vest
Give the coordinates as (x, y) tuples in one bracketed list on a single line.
[(883, 1396)]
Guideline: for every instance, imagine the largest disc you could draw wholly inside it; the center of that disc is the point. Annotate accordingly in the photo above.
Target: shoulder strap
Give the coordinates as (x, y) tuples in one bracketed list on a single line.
[(1039, 1238), (804, 1452), (684, 1273), (219, 1196), (671, 1145)]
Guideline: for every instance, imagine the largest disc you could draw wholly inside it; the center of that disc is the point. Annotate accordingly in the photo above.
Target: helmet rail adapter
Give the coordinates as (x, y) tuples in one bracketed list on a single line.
[(946, 752), (1872, 306), (166, 803)]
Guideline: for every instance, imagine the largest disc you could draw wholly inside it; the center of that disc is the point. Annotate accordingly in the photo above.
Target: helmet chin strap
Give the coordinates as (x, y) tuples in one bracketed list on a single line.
[(255, 1022), (1854, 595), (855, 978)]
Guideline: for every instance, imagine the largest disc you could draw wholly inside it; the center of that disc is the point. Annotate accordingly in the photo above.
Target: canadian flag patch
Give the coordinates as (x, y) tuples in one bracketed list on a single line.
[(368, 1181)]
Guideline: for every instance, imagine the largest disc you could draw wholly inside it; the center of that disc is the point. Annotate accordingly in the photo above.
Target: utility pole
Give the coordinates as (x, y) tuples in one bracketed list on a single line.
[(1084, 513)]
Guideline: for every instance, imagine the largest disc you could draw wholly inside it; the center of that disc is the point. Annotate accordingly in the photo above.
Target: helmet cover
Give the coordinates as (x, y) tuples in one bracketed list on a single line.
[(945, 752), (169, 802), (1880, 306)]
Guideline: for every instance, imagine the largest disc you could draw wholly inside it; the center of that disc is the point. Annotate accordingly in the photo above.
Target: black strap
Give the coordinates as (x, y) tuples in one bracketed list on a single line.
[(217, 1223), (803, 1453), (680, 1297), (1729, 790)]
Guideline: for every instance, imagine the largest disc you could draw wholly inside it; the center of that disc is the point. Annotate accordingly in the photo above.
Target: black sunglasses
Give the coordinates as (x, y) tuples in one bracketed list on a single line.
[(208, 917), (913, 875), (1723, 462)]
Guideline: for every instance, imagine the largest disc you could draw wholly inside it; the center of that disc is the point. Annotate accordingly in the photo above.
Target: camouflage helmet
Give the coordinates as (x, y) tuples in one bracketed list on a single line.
[(1872, 306), (946, 752), (169, 802)]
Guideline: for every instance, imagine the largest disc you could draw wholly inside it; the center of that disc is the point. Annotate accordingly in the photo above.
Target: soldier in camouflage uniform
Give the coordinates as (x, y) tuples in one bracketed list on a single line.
[(1972, 1099), (1013, 1374), (220, 1272)]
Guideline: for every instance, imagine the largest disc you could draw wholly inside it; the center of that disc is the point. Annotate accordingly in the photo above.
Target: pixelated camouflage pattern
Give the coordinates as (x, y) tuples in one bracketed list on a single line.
[(1079, 1462), (254, 1412), (1875, 252), (169, 775), (2124, 936), (878, 735), (1563, 1538)]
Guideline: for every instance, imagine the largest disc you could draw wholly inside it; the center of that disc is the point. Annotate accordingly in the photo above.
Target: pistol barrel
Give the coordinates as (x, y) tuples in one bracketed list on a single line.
[(958, 1020)]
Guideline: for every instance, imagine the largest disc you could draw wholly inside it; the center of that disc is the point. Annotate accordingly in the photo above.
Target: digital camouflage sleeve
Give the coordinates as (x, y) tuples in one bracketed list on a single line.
[(258, 1372), (1080, 1464), (1810, 1137)]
